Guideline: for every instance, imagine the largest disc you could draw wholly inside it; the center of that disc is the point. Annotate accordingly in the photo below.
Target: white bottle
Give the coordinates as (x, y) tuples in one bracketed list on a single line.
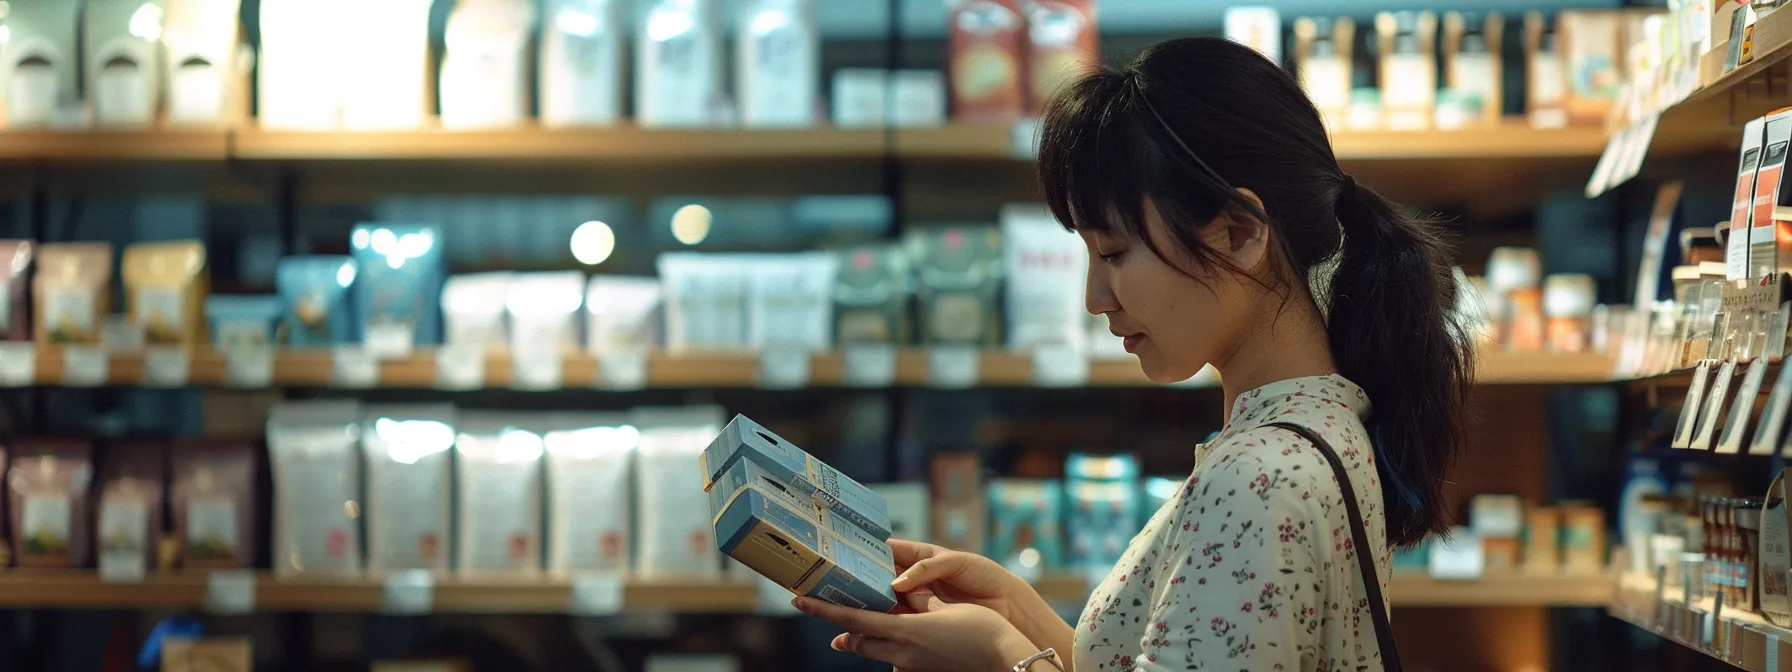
[(777, 63), (485, 72), (123, 49), (678, 64), (200, 43), (384, 76), (581, 63)]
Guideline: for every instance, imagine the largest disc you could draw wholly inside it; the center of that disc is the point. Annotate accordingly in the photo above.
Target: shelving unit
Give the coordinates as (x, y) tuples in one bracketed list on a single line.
[(1743, 640), (1711, 118)]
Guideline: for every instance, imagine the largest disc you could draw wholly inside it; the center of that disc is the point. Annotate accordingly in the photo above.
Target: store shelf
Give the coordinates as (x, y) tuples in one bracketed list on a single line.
[(1740, 639), (115, 146), (1524, 369), (1711, 118), (1516, 590), (628, 144)]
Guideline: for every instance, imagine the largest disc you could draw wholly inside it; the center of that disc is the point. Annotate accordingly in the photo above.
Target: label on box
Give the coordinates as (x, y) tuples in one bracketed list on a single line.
[(1736, 426), (622, 370), (84, 366), (537, 369), (230, 592), (249, 367), (18, 364), (1060, 366), (167, 366), (870, 364), (1689, 410), (354, 367), (955, 367), (460, 367), (1024, 139), (408, 592), (597, 595), (783, 369), (1773, 653), (389, 340)]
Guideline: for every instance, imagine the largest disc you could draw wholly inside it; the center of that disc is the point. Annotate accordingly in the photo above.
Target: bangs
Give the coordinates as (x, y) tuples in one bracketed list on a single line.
[(1093, 156)]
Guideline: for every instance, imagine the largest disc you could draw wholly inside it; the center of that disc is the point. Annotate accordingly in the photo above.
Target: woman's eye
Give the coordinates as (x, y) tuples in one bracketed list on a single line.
[(1113, 257)]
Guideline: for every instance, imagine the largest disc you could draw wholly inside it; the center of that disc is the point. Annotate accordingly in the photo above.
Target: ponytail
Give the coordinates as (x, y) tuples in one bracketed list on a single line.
[(1393, 333)]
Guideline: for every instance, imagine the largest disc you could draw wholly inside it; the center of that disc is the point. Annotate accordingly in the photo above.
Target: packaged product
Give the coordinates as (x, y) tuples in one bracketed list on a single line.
[(678, 63), (791, 540), (1259, 28), (73, 291), (1322, 57), (317, 292), (486, 78), (47, 486), (1546, 75), (622, 313), (15, 307), (705, 297), (473, 309), (1742, 210), (958, 501), (1568, 300), (1498, 521), (40, 59), (122, 46), (777, 63), (672, 511), (590, 487), (1408, 68), (244, 321), (200, 46), (1023, 525), (1776, 554), (409, 481), (1770, 190), (958, 269), (1472, 66), (382, 69), (1590, 45), (1583, 539), (298, 86), (314, 447), (544, 310), (1046, 270), (499, 515), (746, 440), (985, 45), (790, 302), (872, 289), (1063, 42), (581, 62), (165, 285), (1104, 509), (397, 292), (213, 501), (132, 490)]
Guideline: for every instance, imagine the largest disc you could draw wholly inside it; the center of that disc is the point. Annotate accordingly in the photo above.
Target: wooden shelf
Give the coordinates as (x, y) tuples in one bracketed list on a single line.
[(1514, 590), (115, 146), (1711, 118), (1737, 638), (628, 144), (1523, 369)]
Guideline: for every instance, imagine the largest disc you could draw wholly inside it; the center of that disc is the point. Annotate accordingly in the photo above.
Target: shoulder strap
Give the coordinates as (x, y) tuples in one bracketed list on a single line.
[(1365, 559)]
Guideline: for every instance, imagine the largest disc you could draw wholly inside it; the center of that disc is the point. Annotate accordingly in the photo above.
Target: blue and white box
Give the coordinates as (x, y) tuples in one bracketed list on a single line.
[(797, 470)]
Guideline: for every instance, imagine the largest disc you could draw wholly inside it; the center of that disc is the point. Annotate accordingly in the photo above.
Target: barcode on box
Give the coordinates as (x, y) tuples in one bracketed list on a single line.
[(837, 596)]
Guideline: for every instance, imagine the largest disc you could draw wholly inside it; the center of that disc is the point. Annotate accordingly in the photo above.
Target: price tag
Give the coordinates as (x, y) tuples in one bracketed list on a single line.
[(84, 366), (1060, 366), (122, 565), (408, 593), (1773, 653), (1708, 627), (167, 366), (953, 366), (783, 369), (355, 367), (389, 340), (230, 592), (18, 364), (460, 367), (1601, 180), (1024, 138), (536, 369), (870, 364), (597, 595), (622, 370), (249, 367)]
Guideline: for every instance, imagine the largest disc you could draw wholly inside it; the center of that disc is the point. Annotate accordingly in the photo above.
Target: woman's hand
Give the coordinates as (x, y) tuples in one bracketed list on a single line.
[(957, 577), (938, 637)]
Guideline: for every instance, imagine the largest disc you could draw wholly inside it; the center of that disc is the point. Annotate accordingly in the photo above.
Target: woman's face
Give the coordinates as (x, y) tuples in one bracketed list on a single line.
[(1175, 313)]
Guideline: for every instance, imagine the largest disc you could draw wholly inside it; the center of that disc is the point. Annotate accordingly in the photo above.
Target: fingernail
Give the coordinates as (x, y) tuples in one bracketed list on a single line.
[(801, 604), (900, 579)]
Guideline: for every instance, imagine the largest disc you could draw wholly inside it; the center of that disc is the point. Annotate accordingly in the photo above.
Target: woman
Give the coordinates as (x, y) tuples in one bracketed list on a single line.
[(1221, 231)]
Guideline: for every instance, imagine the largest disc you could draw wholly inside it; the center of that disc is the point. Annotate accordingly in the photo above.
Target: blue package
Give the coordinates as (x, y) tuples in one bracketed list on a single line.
[(319, 304), (397, 298), (742, 473), (243, 321), (1025, 534), (775, 534), (797, 469), (1104, 509)]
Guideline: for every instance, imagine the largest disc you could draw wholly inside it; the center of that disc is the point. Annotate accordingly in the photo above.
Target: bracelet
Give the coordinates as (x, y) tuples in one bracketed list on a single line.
[(1048, 655)]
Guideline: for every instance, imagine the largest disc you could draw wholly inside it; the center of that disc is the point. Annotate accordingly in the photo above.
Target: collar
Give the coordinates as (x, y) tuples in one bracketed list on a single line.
[(1259, 406)]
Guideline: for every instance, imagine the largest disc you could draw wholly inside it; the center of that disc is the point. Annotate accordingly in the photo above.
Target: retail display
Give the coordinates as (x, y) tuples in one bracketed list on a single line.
[(319, 301), (498, 511), (473, 310), (1062, 42), (122, 47), (1045, 270), (128, 525), (1026, 531), (48, 482), (73, 292), (678, 64), (244, 321), (165, 289), (590, 459), (213, 501), (958, 271), (1408, 68), (15, 308), (398, 285), (407, 505), (1259, 28), (777, 63), (485, 75), (581, 62), (40, 60), (200, 42), (1322, 58), (676, 533), (314, 454), (986, 48), (1473, 69)]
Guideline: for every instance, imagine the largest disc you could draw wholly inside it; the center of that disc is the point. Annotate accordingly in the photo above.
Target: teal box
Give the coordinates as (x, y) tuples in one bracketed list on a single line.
[(244, 321), (1025, 515), (793, 544), (319, 305), (797, 470)]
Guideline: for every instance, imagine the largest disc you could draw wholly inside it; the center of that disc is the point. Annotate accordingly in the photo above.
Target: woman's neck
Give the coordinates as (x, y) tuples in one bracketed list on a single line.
[(1291, 344)]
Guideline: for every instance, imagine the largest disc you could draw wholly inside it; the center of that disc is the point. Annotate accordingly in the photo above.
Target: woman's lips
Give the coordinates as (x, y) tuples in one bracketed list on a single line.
[(1132, 342)]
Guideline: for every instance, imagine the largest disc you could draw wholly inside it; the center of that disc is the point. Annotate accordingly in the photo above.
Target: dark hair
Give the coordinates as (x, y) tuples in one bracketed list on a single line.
[(1193, 120)]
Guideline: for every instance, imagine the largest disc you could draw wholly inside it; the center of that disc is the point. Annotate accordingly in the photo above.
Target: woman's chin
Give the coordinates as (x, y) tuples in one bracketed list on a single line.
[(1165, 373)]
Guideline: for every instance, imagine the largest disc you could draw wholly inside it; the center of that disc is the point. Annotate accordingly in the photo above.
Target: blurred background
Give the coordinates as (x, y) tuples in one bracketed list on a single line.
[(385, 334)]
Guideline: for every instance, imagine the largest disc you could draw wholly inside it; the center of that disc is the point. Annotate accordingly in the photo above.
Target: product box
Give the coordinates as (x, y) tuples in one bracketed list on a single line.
[(958, 501), (675, 533), (40, 62), (73, 291), (15, 307), (298, 86), (1104, 509), (959, 272), (744, 439), (1742, 209), (166, 285), (132, 487), (409, 479), (785, 539), (872, 289), (985, 45), (1771, 189), (1472, 64), (498, 503), (486, 75), (1545, 78), (1063, 42), (123, 51), (790, 303), (473, 310), (590, 477), (1776, 554), (777, 63), (200, 44), (544, 310), (1408, 68), (318, 293), (1498, 521), (705, 300), (314, 450), (622, 313), (398, 288), (1046, 268), (678, 64), (1322, 57), (1591, 51), (243, 321), (1024, 532), (213, 500), (581, 62), (208, 654), (47, 486), (1542, 534), (383, 61)]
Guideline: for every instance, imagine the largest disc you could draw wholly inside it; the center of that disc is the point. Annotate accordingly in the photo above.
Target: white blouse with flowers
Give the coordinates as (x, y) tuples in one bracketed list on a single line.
[(1250, 566)]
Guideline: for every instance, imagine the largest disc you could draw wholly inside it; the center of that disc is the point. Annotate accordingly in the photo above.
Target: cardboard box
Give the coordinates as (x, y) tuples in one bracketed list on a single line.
[(985, 46), (1736, 249), (1591, 48), (1322, 50), (958, 501), (829, 488), (770, 531), (1408, 68), (1544, 78), (1472, 63)]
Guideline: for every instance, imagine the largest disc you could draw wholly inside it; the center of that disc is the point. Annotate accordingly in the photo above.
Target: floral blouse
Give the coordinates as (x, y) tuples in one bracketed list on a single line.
[(1250, 566)]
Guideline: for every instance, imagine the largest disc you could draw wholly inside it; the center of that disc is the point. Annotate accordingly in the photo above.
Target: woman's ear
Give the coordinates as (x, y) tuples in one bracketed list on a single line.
[(1239, 236)]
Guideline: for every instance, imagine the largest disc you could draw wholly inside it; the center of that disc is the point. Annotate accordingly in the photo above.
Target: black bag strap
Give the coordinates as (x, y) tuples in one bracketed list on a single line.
[(1365, 559)]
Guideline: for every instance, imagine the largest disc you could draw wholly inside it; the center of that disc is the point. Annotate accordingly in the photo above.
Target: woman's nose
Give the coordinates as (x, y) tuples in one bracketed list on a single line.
[(1098, 297)]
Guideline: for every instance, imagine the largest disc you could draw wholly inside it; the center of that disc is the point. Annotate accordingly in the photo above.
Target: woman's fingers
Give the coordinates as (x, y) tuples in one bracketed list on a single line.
[(940, 567), (876, 648), (853, 620), (906, 553)]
